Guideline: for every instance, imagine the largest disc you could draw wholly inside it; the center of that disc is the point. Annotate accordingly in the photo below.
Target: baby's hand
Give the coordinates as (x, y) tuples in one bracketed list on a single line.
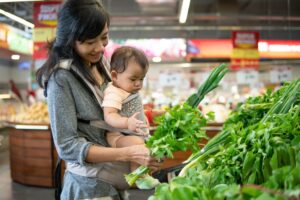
[(136, 125)]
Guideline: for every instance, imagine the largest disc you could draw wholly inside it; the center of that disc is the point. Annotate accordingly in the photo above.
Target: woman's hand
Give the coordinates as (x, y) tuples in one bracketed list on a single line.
[(140, 154)]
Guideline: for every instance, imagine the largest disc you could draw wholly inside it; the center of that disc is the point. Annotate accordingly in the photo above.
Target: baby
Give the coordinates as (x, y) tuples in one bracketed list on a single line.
[(122, 105)]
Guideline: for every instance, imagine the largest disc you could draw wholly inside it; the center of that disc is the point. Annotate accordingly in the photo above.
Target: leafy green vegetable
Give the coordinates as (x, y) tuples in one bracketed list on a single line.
[(211, 83), (181, 127), (146, 182), (259, 145)]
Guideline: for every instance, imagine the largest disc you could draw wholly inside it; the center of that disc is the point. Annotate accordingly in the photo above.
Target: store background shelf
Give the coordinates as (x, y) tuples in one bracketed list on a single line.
[(31, 156)]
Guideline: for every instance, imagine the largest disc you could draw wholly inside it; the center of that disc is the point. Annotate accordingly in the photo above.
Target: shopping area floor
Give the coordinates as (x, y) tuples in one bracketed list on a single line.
[(10, 190)]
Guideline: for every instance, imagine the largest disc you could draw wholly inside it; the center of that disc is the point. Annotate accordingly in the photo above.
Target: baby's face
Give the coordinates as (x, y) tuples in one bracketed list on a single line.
[(131, 80)]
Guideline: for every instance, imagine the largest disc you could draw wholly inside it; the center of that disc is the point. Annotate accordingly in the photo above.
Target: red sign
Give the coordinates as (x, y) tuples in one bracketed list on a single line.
[(208, 48), (282, 49), (45, 13), (40, 50), (237, 64), (245, 39), (215, 48), (45, 20), (244, 54)]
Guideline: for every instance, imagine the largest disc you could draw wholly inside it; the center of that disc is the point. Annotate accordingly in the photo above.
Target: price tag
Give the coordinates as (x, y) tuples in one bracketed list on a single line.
[(170, 79), (280, 75), (247, 76)]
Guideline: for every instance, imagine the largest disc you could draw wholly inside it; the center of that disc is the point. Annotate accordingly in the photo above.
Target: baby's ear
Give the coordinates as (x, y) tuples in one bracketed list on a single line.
[(113, 74)]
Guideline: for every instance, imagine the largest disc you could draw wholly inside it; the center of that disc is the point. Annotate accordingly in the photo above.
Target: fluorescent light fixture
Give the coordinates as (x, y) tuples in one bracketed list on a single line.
[(17, 19), (184, 11), (156, 59), (15, 57), (31, 127), (5, 96)]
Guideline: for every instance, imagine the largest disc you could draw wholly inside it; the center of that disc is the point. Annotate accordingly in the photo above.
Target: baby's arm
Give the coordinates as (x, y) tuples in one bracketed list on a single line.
[(113, 118)]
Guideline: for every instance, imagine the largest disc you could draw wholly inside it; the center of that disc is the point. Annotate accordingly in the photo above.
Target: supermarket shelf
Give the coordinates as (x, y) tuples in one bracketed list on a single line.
[(26, 126)]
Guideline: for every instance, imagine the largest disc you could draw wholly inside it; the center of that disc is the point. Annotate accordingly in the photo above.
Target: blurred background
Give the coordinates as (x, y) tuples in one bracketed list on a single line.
[(183, 39)]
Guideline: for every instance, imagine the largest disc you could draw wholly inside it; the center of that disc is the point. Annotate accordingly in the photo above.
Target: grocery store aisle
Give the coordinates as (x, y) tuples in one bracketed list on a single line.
[(10, 190)]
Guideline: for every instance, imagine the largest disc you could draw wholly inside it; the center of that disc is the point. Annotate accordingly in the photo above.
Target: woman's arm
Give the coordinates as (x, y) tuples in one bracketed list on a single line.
[(63, 117), (138, 153)]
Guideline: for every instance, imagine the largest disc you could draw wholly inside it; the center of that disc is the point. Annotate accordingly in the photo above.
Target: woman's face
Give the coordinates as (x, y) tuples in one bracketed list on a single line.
[(131, 80), (91, 50)]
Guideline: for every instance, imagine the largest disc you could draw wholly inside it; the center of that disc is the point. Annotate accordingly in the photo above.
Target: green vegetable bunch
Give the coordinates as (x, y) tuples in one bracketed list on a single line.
[(180, 128), (256, 155)]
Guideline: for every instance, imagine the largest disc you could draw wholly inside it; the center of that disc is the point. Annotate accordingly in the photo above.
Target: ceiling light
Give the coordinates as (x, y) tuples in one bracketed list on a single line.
[(15, 57), (156, 59), (17, 19), (5, 96), (31, 127), (184, 10)]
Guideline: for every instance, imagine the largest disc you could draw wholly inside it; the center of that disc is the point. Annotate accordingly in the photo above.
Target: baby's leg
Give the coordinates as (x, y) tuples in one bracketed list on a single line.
[(125, 141)]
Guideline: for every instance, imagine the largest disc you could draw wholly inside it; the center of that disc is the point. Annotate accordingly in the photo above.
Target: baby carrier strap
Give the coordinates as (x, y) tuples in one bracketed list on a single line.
[(130, 97)]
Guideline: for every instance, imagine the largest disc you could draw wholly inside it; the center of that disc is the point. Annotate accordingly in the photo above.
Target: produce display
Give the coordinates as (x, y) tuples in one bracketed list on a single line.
[(6, 111), (37, 113), (181, 127), (255, 156), (9, 107)]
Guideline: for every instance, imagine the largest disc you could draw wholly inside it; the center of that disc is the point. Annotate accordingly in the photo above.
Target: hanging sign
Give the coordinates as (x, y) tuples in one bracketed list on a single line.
[(244, 54), (45, 21)]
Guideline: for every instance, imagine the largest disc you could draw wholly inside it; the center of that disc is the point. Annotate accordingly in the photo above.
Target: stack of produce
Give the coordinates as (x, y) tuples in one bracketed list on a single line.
[(256, 155), (37, 113)]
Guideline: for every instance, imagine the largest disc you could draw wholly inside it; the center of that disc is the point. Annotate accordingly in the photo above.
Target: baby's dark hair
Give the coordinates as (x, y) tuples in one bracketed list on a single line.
[(121, 56)]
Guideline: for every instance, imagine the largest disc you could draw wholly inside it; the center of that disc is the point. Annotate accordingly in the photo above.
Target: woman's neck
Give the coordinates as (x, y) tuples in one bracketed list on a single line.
[(98, 77)]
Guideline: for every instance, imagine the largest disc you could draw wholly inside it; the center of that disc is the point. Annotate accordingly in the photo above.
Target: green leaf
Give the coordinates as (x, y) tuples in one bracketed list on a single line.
[(265, 196), (180, 193), (162, 192), (274, 160), (250, 191), (248, 164)]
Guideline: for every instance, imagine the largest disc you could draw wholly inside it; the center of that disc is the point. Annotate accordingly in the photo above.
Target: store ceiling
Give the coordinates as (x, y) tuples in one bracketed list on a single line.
[(274, 19)]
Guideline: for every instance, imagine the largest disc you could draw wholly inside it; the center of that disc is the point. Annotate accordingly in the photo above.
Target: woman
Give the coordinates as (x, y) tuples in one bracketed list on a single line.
[(74, 77)]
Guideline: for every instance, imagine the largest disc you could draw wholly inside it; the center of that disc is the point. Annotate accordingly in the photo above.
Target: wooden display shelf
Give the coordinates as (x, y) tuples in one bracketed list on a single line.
[(32, 152)]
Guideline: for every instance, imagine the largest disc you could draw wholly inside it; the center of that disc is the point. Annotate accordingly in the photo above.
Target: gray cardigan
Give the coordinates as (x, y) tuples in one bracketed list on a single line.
[(69, 100)]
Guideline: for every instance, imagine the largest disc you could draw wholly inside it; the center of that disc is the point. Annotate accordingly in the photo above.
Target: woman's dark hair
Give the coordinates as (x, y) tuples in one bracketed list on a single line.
[(78, 20), (122, 55)]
